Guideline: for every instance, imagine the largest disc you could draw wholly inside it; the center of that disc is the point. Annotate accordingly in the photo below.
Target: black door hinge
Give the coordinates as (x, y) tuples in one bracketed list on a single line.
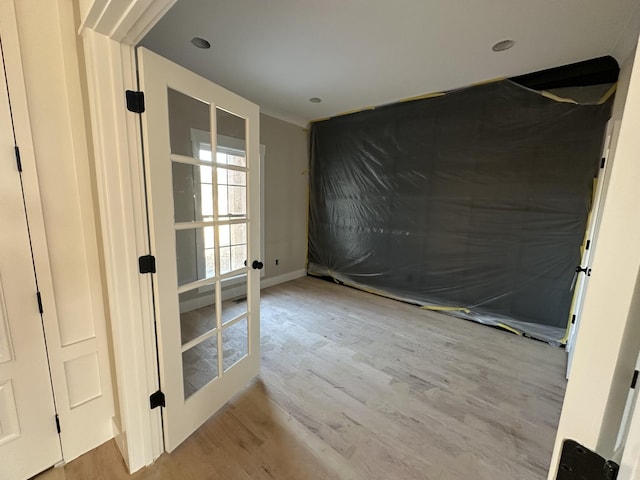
[(18, 160), (147, 264), (634, 380), (602, 162), (580, 463), (39, 298), (585, 270), (156, 399), (573, 319), (586, 247), (58, 424), (135, 101)]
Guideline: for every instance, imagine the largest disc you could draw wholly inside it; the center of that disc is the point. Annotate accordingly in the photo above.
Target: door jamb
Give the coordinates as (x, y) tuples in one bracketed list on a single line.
[(110, 30)]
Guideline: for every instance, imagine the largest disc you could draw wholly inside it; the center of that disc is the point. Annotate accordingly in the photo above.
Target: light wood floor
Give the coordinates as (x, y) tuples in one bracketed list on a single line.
[(355, 386)]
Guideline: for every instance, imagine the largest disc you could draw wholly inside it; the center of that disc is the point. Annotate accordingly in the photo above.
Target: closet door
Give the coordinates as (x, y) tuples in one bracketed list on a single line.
[(29, 441)]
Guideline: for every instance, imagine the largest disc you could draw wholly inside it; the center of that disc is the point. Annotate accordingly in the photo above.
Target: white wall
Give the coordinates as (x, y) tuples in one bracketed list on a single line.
[(609, 335)]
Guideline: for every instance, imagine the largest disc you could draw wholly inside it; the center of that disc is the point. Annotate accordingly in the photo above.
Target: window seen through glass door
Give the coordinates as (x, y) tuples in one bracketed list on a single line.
[(231, 183)]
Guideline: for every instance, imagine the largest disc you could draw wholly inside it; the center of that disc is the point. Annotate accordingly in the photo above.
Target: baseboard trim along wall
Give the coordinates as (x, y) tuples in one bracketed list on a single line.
[(286, 277)]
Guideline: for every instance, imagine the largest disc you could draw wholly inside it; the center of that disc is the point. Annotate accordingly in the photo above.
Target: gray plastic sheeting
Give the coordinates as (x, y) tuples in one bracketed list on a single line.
[(476, 200)]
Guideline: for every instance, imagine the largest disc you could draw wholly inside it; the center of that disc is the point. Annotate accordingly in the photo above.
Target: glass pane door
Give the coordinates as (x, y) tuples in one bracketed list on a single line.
[(210, 223), (203, 171)]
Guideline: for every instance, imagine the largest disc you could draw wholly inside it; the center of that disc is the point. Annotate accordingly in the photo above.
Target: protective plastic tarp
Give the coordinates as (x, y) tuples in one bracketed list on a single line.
[(474, 203)]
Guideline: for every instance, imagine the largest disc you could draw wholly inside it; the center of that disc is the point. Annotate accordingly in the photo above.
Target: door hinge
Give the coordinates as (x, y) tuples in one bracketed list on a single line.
[(584, 270), (573, 319), (135, 101), (147, 264), (602, 162), (634, 380), (586, 247), (58, 423), (18, 160), (156, 399), (580, 463), (39, 298)]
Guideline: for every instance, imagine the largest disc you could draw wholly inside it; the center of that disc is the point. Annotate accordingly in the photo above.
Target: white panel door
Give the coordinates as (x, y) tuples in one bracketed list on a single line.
[(204, 201), (29, 442)]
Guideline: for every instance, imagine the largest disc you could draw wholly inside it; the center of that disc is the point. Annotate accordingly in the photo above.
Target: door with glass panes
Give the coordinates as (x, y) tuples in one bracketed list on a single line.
[(202, 159)]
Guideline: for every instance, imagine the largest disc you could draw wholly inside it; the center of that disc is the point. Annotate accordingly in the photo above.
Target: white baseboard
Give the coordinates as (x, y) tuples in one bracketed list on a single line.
[(121, 440), (206, 300), (286, 277)]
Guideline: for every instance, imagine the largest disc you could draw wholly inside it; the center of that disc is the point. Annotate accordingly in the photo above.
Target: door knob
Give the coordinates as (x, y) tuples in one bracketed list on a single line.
[(257, 265)]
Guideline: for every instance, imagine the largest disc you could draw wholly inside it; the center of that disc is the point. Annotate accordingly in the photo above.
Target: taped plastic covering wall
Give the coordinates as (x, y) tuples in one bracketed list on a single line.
[(474, 203)]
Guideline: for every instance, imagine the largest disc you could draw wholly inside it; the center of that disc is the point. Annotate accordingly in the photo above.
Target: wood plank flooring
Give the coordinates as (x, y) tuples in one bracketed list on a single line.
[(355, 386)]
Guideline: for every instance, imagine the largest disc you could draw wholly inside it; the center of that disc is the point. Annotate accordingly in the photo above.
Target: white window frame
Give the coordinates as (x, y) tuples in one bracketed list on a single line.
[(231, 146)]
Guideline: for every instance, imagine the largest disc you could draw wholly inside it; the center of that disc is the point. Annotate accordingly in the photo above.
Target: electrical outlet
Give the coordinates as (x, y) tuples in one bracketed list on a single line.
[(277, 262)]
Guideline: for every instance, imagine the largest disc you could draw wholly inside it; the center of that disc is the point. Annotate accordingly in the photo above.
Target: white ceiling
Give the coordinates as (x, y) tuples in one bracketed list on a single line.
[(359, 53)]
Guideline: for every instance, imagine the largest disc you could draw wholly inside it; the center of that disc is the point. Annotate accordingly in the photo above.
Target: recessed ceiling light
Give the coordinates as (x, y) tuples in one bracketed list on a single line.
[(503, 45), (315, 100), (200, 42)]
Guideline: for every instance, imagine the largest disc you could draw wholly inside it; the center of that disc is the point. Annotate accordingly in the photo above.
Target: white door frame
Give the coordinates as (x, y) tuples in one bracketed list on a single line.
[(110, 30)]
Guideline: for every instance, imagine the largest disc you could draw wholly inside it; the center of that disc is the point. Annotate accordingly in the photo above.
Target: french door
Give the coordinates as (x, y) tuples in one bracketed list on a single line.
[(583, 271), (202, 158), (29, 441)]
